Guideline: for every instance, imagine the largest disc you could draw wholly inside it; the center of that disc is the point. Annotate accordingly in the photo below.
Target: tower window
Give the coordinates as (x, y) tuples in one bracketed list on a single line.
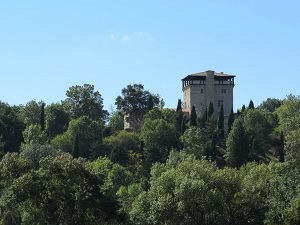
[(220, 102), (202, 90), (223, 91)]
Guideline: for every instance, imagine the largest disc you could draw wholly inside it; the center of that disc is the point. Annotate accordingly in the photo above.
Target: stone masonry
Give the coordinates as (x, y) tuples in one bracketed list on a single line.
[(200, 89)]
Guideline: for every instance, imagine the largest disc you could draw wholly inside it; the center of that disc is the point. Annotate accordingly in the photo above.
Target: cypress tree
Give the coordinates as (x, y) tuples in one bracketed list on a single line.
[(193, 119), (75, 151), (210, 110), (150, 103), (231, 120), (243, 108), (238, 148), (251, 105), (221, 121), (179, 123), (238, 113), (42, 117), (281, 148), (179, 107)]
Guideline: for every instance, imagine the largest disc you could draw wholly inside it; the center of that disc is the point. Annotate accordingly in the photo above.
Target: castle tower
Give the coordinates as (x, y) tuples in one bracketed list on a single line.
[(200, 89)]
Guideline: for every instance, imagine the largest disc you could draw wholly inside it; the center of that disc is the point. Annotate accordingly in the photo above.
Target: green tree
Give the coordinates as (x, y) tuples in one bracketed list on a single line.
[(193, 141), (150, 103), (34, 134), (116, 122), (30, 114), (270, 105), (238, 148), (251, 105), (159, 137), (210, 110), (221, 121), (243, 108), (129, 140), (230, 120), (44, 197), (89, 133), (180, 120), (56, 120), (289, 113), (42, 117), (76, 150), (84, 101), (193, 118), (134, 102), (11, 129), (34, 153)]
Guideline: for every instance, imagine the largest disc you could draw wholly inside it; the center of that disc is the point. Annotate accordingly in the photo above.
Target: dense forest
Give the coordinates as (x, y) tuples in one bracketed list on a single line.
[(72, 162)]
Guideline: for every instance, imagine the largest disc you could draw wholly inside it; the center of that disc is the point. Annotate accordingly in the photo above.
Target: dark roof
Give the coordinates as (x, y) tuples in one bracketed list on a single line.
[(204, 74)]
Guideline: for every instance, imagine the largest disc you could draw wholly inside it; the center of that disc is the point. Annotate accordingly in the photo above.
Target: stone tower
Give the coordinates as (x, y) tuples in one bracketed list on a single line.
[(200, 89)]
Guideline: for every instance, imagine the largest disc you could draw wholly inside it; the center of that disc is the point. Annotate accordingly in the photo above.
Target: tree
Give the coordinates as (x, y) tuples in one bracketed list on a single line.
[(281, 147), (31, 112), (150, 103), (128, 140), (56, 120), (193, 142), (193, 119), (289, 113), (259, 125), (251, 105), (243, 108), (42, 117), (179, 123), (34, 134), (238, 148), (221, 121), (116, 122), (44, 197), (34, 153), (159, 136), (210, 110), (230, 120), (11, 128), (84, 101), (270, 105), (134, 102), (89, 134), (76, 150)]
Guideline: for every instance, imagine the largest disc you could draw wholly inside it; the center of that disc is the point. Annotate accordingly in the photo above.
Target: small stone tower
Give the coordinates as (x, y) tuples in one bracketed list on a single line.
[(200, 89)]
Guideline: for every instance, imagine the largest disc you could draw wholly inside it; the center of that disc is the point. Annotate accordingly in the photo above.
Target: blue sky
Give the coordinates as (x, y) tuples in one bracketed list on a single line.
[(48, 46)]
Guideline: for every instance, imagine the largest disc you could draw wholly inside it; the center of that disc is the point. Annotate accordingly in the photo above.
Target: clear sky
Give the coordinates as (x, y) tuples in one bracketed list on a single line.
[(48, 46)]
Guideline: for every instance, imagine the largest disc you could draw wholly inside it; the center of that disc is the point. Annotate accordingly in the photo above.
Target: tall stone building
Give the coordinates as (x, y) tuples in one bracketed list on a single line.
[(200, 89)]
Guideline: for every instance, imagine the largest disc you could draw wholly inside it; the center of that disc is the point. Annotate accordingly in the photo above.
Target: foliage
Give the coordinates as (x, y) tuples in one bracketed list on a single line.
[(89, 135), (56, 120), (11, 129), (34, 134), (230, 120), (289, 113), (193, 118), (221, 121), (34, 153), (129, 140), (134, 102), (30, 114), (159, 136), (116, 122), (84, 101), (251, 105), (238, 146), (270, 105), (193, 142), (53, 200)]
